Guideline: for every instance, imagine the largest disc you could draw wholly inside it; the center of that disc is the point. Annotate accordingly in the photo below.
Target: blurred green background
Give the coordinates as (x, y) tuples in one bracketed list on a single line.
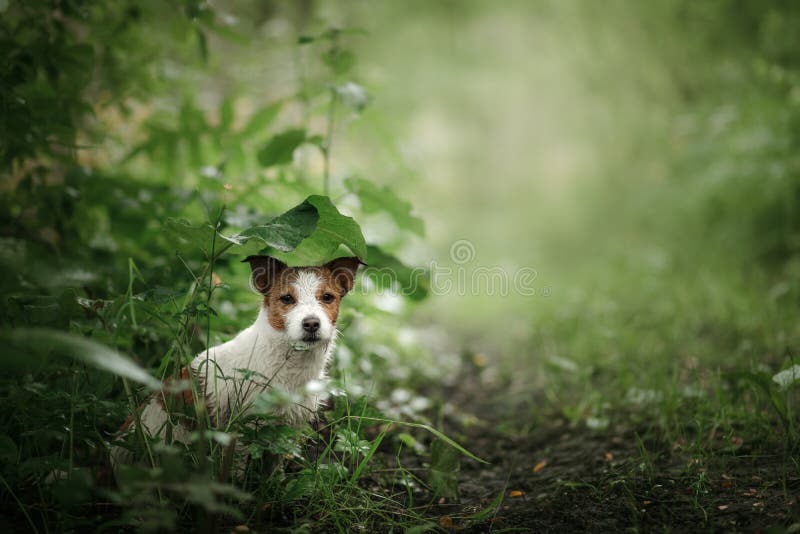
[(640, 157)]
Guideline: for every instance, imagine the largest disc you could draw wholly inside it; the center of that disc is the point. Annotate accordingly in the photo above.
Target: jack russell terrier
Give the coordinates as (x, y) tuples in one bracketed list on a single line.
[(289, 344)]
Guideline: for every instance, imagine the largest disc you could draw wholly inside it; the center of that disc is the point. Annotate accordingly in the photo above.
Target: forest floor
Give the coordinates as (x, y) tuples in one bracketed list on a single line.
[(572, 479), (564, 478)]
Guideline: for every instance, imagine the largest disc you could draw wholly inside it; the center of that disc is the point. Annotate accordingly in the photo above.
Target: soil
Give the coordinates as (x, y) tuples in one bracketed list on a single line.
[(561, 478), (557, 479)]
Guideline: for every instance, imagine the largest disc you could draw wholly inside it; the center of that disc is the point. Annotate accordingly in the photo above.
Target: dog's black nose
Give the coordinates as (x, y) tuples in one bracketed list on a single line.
[(311, 324)]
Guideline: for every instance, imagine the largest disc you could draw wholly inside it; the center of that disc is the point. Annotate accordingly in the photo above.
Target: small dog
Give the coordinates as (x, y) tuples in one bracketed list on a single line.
[(289, 344)]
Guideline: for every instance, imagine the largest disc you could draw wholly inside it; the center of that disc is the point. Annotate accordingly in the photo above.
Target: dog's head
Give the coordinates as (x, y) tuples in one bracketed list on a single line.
[(303, 302)]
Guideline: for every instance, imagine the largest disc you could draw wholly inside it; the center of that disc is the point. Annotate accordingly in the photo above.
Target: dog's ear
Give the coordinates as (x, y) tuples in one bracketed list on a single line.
[(265, 271), (343, 271)]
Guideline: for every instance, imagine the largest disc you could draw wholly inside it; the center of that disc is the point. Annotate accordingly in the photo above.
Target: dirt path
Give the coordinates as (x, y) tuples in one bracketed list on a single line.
[(563, 479)]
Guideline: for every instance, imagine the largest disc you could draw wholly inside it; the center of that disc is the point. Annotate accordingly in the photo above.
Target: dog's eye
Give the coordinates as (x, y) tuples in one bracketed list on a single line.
[(327, 298), (287, 299)]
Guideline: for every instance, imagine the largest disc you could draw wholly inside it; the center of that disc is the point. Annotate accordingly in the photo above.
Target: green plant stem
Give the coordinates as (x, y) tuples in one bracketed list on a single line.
[(207, 518), (200, 410), (139, 429), (327, 143), (131, 268), (72, 423)]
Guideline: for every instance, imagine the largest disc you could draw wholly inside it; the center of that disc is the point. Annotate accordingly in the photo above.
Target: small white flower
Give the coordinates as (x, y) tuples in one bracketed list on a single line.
[(597, 423), (400, 396), (562, 363), (353, 95), (642, 396), (787, 377)]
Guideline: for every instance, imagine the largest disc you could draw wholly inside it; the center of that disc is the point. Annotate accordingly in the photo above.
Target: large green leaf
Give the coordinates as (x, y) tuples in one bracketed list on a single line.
[(376, 199), (314, 230), (333, 230), (286, 231), (283, 232), (279, 149), (41, 342)]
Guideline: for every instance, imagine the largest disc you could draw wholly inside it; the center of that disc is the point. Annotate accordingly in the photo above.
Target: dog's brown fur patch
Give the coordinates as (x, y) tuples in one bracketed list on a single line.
[(276, 309), (328, 285), (184, 397), (127, 424), (182, 401)]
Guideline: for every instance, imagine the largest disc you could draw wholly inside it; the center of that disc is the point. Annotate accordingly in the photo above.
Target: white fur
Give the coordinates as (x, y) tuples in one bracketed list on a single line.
[(272, 355), (306, 287), (277, 359)]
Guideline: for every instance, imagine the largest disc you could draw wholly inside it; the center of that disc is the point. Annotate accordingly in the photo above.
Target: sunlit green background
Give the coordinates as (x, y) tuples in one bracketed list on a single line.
[(640, 157)]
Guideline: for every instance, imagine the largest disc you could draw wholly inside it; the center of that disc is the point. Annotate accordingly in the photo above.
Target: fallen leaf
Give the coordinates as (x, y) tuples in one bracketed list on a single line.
[(516, 493), (722, 507), (727, 484), (446, 522), (647, 502), (241, 528), (609, 456), (538, 467)]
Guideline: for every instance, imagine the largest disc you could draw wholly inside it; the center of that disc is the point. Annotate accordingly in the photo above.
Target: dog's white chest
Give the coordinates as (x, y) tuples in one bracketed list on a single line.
[(233, 375)]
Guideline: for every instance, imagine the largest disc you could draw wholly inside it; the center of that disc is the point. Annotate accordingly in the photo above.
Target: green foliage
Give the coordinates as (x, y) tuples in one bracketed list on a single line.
[(38, 342), (778, 392), (333, 230), (443, 473), (284, 232), (374, 199), (279, 149), (386, 272), (131, 199), (287, 231)]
